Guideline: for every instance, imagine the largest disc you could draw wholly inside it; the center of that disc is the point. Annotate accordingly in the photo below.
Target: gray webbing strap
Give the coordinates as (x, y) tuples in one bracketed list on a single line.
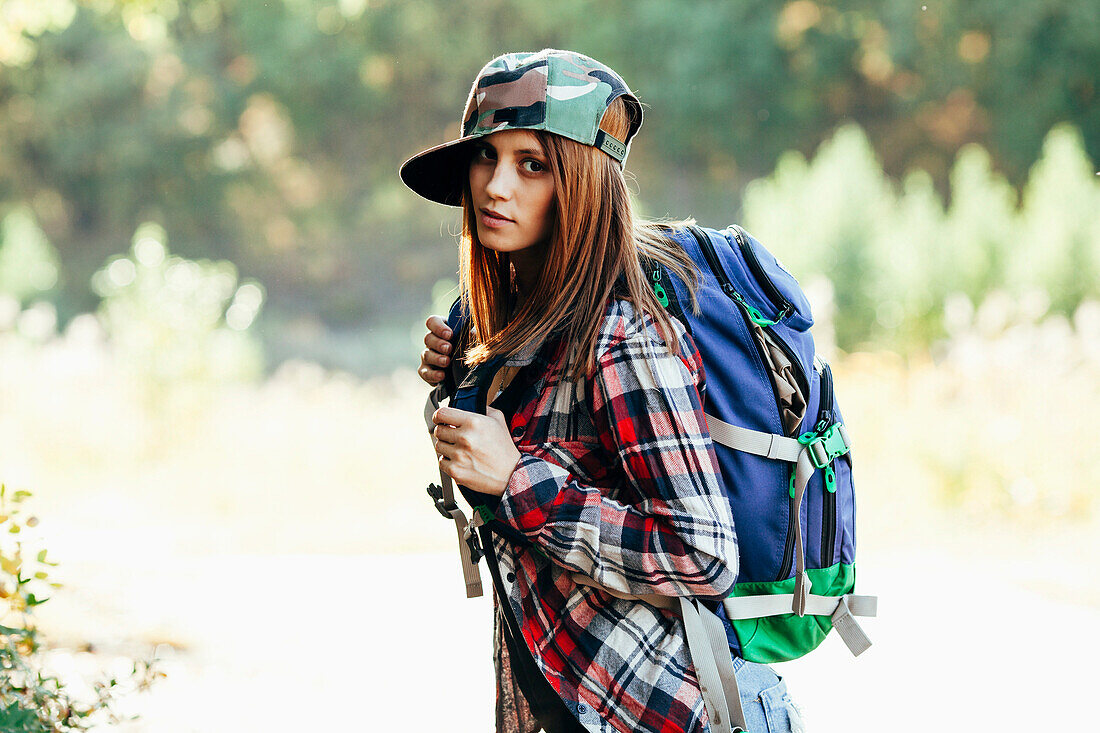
[(745, 607), (803, 469), (782, 448), (850, 632), (842, 609), (759, 443), (706, 669), (709, 650), (470, 573), (723, 658)]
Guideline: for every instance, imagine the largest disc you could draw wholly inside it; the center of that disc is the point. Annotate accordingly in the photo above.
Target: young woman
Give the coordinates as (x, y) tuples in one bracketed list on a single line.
[(593, 450)]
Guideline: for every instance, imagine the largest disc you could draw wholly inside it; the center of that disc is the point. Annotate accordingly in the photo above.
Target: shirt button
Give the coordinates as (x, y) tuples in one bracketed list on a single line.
[(582, 709), (517, 432), (511, 577)]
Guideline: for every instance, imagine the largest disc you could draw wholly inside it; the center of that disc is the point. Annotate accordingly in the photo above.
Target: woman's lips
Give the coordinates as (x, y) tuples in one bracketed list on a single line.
[(491, 219)]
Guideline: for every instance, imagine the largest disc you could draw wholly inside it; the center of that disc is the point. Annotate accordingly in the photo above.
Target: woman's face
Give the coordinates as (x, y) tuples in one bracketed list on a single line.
[(512, 191)]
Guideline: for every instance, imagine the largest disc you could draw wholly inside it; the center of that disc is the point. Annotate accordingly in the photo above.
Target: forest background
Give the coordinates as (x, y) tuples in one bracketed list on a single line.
[(213, 285)]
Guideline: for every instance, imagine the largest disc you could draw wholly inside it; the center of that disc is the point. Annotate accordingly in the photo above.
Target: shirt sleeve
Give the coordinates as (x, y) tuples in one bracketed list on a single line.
[(676, 535)]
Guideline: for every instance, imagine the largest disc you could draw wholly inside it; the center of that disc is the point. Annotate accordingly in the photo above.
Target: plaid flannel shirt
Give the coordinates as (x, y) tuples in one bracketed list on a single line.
[(617, 481)]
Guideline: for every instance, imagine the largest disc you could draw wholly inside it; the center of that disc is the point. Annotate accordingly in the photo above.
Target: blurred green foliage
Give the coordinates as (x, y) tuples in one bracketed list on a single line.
[(28, 262), (33, 700), (175, 322), (268, 134), (895, 255)]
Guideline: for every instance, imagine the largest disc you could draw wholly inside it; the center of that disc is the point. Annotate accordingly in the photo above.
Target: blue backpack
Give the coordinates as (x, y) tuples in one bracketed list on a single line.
[(790, 490), (792, 496)]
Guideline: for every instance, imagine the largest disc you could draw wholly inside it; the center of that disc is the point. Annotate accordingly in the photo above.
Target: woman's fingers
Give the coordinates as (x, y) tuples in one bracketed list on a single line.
[(446, 450), (430, 375), (434, 358), (453, 416), (438, 337), (437, 344), (446, 434), (436, 325), (475, 450)]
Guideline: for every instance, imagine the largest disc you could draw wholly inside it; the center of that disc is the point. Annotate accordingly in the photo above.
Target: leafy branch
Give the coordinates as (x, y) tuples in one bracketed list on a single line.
[(32, 700)]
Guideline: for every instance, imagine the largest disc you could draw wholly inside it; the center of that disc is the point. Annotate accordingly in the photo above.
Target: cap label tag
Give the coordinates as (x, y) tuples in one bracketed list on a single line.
[(611, 146)]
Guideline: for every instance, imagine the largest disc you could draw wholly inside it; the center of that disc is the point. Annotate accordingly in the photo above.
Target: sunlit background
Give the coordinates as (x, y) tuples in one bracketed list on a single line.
[(213, 287)]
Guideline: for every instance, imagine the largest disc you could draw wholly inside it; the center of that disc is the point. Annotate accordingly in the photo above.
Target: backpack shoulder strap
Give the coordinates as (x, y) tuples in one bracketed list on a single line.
[(443, 496)]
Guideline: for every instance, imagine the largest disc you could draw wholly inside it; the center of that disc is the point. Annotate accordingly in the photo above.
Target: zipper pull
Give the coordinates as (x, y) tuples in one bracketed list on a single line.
[(754, 313), (830, 479)]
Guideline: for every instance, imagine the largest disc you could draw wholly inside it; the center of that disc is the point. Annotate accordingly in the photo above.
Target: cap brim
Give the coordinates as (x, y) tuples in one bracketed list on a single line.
[(438, 173)]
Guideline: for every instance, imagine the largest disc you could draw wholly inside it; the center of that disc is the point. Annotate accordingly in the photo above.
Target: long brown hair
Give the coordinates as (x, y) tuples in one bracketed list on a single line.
[(596, 240)]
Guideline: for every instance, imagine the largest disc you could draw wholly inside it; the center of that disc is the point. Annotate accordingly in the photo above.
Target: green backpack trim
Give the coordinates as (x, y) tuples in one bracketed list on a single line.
[(786, 637)]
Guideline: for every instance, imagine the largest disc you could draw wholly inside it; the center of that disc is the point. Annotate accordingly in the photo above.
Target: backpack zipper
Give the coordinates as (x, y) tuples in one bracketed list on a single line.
[(828, 509), (727, 288), (776, 297), (713, 261), (723, 281)]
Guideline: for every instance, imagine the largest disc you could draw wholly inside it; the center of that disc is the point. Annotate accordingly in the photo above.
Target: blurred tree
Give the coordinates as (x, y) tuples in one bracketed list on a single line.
[(28, 263), (895, 255), (177, 322), (269, 133)]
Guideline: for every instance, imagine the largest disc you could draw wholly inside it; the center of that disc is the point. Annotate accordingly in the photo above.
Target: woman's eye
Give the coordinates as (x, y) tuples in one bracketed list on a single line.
[(533, 166), (482, 152)]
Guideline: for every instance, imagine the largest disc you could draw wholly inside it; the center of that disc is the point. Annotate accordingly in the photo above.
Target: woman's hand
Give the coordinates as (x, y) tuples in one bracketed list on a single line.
[(437, 356), (475, 450)]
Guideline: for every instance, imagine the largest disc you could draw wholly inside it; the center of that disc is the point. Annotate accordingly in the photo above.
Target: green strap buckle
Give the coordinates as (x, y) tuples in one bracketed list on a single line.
[(485, 512), (827, 445)]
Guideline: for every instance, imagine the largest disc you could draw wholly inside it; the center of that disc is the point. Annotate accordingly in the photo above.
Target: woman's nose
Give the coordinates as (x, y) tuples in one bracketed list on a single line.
[(501, 183)]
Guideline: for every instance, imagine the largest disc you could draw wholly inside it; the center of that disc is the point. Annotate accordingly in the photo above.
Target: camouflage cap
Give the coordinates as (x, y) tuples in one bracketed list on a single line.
[(558, 91)]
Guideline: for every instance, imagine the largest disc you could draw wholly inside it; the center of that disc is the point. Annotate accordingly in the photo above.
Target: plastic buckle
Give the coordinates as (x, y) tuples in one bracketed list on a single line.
[(485, 513), (436, 492), (476, 553), (826, 446)]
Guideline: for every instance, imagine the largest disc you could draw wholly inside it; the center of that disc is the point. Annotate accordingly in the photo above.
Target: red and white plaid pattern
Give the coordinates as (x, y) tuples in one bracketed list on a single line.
[(618, 481)]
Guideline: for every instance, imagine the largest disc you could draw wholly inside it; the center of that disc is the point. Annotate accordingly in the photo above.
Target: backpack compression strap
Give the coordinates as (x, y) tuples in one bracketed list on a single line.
[(709, 651), (444, 497), (807, 457)]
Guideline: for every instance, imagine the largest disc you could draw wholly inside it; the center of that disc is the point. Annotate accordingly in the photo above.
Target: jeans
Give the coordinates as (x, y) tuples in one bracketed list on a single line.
[(768, 708)]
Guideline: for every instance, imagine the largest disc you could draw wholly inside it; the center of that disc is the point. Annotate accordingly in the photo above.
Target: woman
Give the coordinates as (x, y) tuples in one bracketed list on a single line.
[(593, 451)]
